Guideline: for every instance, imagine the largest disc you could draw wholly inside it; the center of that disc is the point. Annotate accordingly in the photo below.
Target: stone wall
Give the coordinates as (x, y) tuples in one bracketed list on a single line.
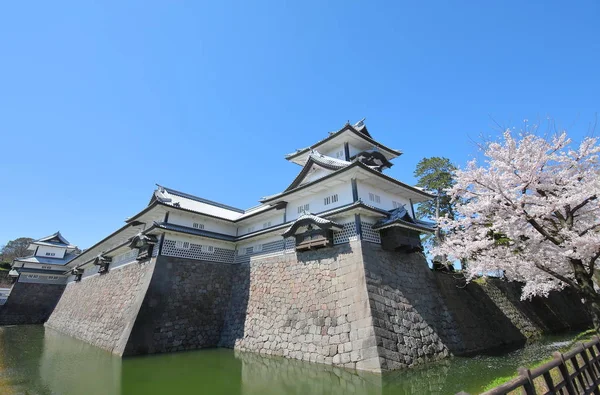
[(353, 305), (184, 307), (102, 309), (312, 306), (30, 303), (489, 315), (406, 308)]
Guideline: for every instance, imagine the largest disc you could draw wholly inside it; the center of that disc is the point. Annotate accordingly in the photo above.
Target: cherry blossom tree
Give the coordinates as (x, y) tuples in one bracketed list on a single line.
[(532, 212)]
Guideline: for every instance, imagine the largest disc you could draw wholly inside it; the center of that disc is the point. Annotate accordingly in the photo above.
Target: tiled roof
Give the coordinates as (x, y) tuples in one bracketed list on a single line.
[(328, 160), (47, 261), (55, 239), (192, 231), (400, 217), (311, 218)]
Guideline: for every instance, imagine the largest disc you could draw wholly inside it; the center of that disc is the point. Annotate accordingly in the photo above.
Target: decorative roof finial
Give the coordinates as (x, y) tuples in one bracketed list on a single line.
[(360, 123)]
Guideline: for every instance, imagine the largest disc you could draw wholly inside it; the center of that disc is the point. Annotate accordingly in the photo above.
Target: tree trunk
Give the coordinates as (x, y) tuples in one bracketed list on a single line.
[(587, 291)]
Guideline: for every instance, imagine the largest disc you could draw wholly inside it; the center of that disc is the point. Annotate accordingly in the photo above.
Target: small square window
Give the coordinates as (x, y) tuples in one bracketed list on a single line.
[(198, 225), (182, 245)]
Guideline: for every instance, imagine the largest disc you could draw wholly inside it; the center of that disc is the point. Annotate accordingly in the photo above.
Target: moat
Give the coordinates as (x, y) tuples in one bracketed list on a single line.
[(34, 360)]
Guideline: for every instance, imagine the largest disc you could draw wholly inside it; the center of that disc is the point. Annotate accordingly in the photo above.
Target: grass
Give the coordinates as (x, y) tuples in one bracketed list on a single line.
[(584, 336)]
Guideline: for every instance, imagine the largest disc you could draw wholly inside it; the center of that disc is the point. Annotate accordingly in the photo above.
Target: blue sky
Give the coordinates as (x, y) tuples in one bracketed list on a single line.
[(101, 100)]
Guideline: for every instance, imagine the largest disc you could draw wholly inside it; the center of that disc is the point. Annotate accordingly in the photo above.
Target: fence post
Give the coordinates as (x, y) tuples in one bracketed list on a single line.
[(529, 387), (564, 371), (590, 370)]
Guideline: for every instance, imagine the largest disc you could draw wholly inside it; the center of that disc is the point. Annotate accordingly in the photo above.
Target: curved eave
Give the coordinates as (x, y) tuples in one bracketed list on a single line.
[(306, 169), (310, 221)]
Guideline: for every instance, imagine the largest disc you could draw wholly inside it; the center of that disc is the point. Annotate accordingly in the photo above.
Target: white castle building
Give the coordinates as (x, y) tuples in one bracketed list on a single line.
[(50, 257), (340, 194)]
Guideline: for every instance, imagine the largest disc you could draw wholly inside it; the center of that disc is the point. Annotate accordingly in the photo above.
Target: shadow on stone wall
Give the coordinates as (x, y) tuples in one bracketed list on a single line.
[(234, 325), (30, 303), (489, 315), (184, 307), (477, 322)]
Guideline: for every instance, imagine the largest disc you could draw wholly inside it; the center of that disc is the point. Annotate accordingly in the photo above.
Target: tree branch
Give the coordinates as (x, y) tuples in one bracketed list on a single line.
[(558, 276), (586, 201)]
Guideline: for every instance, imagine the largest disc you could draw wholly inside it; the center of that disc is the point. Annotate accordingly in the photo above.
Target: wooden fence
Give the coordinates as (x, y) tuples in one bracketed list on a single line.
[(575, 372)]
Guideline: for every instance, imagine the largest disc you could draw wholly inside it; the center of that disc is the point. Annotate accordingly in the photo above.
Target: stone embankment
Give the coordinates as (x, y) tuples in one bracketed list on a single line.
[(353, 306)]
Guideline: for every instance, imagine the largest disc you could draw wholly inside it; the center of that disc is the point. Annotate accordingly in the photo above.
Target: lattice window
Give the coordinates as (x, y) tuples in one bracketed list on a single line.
[(195, 252), (345, 234), (290, 244), (198, 225), (368, 234), (266, 225), (271, 248), (208, 249)]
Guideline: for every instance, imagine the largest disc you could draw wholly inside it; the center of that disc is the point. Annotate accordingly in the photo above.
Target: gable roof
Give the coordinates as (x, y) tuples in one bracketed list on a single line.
[(399, 217), (308, 219), (358, 130), (315, 158), (55, 239)]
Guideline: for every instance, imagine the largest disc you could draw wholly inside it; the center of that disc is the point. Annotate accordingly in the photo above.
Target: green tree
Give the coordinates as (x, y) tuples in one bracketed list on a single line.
[(14, 249), (435, 175)]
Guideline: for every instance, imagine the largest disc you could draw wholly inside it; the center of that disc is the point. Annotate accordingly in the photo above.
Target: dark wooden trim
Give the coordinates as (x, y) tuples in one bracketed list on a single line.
[(346, 151), (412, 209), (166, 221), (358, 226), (354, 190), (160, 244)]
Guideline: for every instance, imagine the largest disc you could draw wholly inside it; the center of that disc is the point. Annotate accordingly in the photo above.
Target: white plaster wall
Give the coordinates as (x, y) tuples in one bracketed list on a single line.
[(333, 152), (318, 173), (344, 192), (386, 198), (187, 219), (275, 216), (199, 241), (354, 150), (58, 252), (55, 267)]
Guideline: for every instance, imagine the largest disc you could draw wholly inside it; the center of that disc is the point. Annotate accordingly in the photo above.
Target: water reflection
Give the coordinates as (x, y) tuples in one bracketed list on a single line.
[(261, 375), (38, 362), (68, 366)]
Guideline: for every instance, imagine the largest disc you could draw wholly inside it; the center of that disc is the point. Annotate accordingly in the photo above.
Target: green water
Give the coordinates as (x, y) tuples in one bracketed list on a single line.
[(34, 360)]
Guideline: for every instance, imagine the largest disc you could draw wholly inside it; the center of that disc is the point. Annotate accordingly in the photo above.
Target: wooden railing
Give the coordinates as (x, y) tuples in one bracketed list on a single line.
[(573, 373)]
